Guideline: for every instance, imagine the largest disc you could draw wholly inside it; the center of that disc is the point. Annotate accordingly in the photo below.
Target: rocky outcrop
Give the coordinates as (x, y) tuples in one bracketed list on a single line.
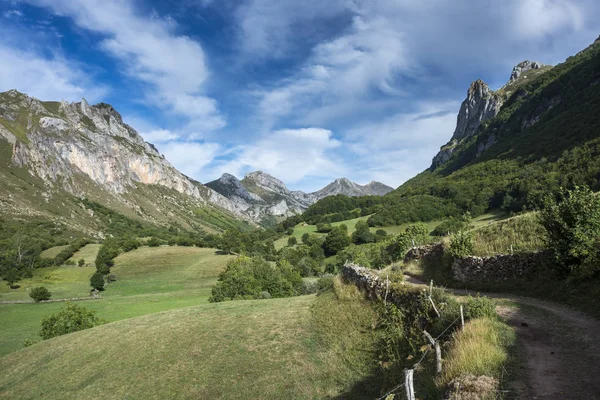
[(522, 68), (480, 105), (82, 148), (483, 104)]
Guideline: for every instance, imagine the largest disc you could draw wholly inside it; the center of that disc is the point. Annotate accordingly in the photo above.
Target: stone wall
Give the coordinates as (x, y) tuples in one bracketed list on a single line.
[(496, 268), (375, 287)]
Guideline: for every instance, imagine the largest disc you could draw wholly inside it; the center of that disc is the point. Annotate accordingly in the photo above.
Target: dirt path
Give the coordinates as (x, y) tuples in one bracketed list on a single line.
[(560, 348)]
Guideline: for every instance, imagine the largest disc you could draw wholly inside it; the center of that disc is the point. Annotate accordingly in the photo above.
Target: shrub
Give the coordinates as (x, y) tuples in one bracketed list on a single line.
[(461, 244), (28, 342), (11, 277), (336, 240), (310, 286), (97, 281), (81, 262), (324, 228), (325, 283), (362, 234), (289, 231), (306, 238), (292, 241), (40, 293), (71, 318), (480, 307), (448, 227), (154, 242), (381, 232), (573, 230)]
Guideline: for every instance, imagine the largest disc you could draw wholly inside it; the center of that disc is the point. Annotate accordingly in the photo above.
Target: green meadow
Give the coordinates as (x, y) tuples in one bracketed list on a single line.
[(149, 280)]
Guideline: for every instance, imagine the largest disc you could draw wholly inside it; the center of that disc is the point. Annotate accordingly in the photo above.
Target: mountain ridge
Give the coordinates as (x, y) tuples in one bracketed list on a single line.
[(261, 194)]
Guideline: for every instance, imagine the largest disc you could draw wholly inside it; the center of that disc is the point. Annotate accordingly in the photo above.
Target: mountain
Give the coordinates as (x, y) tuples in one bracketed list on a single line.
[(483, 104), (261, 195), (56, 154), (348, 188), (513, 146)]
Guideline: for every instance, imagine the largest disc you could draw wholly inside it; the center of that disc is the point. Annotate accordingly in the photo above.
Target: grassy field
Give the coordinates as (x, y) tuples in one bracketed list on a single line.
[(149, 280), (53, 251), (88, 253), (295, 348), (301, 229)]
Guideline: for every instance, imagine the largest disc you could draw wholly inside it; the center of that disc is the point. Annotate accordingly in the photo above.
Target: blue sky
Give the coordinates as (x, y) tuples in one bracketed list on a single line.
[(308, 91)]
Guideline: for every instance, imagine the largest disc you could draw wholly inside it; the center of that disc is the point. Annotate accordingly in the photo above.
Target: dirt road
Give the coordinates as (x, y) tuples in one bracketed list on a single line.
[(560, 348)]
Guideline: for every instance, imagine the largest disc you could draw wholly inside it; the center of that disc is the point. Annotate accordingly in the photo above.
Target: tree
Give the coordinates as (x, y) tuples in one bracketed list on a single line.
[(461, 244), (336, 240), (362, 234), (573, 230), (292, 241), (81, 262), (306, 238), (40, 293), (97, 281), (71, 318), (11, 277), (289, 231)]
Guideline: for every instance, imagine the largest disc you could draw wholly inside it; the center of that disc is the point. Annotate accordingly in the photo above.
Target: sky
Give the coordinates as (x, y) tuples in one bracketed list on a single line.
[(308, 91)]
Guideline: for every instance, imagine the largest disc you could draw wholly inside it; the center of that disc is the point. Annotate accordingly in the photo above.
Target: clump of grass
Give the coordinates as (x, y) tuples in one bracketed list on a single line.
[(522, 233), (481, 348)]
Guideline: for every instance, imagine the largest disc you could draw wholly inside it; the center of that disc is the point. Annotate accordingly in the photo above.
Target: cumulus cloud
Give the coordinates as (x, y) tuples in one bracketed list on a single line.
[(190, 157), (47, 78), (173, 66), (289, 154)]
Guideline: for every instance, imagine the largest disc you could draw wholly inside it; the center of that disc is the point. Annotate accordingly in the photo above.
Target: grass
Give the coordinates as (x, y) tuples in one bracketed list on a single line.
[(87, 253), (149, 280), (522, 233), (294, 348), (53, 251), (481, 348)]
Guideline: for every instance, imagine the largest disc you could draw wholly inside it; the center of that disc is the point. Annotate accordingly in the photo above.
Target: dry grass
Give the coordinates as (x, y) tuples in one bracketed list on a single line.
[(87, 253), (479, 349)]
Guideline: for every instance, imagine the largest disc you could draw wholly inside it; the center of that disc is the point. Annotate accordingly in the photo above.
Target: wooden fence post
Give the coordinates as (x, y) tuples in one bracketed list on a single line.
[(387, 283), (462, 317), (438, 357), (408, 382)]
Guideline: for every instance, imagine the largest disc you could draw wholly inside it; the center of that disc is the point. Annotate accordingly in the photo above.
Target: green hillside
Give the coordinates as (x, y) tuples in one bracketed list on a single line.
[(149, 280), (297, 348)]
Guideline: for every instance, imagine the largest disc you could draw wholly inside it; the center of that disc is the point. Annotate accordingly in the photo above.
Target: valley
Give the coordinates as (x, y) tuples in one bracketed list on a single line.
[(123, 276)]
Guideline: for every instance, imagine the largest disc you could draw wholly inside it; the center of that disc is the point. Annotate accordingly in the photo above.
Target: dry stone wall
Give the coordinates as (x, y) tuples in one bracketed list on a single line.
[(496, 268)]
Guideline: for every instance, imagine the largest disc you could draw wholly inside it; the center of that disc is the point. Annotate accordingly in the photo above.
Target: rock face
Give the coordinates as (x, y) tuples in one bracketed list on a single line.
[(82, 149), (260, 194), (522, 68), (480, 105), (483, 104)]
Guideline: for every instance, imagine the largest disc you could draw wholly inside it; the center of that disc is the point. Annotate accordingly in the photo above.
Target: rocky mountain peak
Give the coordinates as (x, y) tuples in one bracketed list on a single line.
[(481, 104), (265, 180), (523, 67)]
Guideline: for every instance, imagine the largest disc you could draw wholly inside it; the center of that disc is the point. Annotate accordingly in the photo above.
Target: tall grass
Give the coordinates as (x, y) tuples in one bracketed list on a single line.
[(523, 233), (481, 348)]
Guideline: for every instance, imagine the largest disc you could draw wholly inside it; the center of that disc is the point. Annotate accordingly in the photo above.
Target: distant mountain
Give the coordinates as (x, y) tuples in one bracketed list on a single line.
[(348, 188), (260, 195), (54, 154)]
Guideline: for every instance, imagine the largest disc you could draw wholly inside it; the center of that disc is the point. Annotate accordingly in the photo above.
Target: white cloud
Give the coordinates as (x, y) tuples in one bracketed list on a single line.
[(397, 148), (156, 136), (190, 157), (289, 154), (542, 17), (173, 66), (45, 78)]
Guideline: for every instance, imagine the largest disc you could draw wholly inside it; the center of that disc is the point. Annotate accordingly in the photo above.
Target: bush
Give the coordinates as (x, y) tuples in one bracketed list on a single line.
[(71, 318), (310, 286), (40, 293), (81, 262), (324, 228), (154, 242), (289, 231), (292, 241), (362, 234), (336, 240), (28, 343), (97, 281), (247, 278), (573, 231), (480, 307), (306, 238), (325, 283), (461, 244), (448, 227)]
